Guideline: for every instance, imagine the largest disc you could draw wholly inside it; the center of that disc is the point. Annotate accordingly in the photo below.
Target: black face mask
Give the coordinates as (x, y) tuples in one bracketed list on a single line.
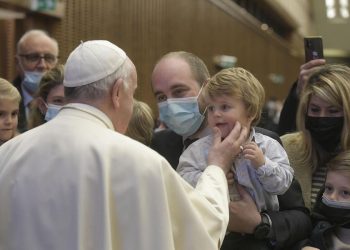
[(326, 131), (333, 215)]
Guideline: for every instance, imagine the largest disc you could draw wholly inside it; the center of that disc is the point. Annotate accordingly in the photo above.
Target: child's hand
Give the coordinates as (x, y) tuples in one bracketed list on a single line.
[(252, 152)]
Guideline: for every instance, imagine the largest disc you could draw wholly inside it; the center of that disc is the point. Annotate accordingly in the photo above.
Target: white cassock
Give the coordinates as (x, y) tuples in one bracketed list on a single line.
[(76, 184)]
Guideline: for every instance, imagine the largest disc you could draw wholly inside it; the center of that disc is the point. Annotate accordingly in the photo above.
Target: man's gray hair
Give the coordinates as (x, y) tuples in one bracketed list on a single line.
[(34, 32), (100, 89)]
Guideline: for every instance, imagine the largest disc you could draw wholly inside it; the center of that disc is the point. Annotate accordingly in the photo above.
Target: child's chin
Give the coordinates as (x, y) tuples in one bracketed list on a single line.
[(224, 133)]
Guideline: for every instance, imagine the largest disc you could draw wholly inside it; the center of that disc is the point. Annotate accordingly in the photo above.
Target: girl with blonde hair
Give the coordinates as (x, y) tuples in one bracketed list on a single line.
[(9, 107)]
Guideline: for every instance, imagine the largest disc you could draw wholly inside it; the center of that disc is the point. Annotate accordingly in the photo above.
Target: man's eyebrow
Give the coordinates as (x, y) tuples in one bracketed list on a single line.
[(179, 85), (158, 93), (175, 86)]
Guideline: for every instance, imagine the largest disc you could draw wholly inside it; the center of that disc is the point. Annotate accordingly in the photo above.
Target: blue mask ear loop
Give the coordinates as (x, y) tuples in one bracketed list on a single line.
[(199, 93), (205, 111), (202, 87), (45, 103), (47, 107)]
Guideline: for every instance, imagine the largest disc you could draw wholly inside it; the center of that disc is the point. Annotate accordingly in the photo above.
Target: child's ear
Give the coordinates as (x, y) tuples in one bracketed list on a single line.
[(251, 118)]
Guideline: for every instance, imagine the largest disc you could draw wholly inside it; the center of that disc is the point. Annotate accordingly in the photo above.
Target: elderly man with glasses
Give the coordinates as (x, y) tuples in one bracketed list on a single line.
[(37, 52)]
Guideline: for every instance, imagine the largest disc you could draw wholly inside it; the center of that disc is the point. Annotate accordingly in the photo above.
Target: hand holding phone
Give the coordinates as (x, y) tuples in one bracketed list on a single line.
[(313, 48)]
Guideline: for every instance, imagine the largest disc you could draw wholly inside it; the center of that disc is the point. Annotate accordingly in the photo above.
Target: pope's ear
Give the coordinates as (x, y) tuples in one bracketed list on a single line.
[(116, 92)]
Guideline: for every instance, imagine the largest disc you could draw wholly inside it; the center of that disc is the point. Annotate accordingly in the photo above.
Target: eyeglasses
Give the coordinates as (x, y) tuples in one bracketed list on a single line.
[(35, 58)]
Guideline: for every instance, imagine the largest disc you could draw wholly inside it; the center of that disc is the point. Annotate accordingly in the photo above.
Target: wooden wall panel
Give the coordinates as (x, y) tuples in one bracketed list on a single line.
[(7, 49), (148, 29), (133, 25)]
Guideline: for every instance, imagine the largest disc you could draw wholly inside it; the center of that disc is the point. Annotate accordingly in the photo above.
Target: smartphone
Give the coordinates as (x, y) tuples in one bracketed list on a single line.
[(313, 48)]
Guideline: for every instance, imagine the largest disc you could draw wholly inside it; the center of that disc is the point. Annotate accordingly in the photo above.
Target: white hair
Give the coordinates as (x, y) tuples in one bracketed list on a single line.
[(31, 33)]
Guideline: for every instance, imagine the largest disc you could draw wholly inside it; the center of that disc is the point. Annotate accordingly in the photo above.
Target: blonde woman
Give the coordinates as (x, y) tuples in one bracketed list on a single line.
[(49, 97), (323, 124)]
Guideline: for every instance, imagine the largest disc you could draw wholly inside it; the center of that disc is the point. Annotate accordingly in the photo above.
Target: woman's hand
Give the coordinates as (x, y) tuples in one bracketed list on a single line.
[(306, 70)]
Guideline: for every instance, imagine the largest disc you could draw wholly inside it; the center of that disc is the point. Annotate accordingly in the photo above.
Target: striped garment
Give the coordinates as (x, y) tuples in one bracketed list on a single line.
[(318, 179)]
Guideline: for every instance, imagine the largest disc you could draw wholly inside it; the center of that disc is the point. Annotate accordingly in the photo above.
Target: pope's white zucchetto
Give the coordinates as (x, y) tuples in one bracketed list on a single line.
[(92, 61)]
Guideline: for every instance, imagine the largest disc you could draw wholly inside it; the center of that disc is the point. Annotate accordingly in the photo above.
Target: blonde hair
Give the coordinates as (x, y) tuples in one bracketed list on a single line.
[(142, 122), (332, 84), (8, 91), (340, 163), (239, 83), (51, 79)]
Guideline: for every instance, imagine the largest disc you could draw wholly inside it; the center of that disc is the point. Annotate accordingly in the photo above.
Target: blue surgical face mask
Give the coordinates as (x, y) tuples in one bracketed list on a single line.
[(52, 111), (335, 204), (31, 80), (181, 115)]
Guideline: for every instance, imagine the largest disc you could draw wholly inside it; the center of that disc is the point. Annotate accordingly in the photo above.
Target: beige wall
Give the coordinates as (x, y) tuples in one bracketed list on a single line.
[(336, 35), (300, 11), (312, 20)]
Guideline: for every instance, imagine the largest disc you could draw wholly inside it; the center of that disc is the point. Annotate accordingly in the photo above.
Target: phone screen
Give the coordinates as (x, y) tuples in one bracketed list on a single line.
[(313, 48)]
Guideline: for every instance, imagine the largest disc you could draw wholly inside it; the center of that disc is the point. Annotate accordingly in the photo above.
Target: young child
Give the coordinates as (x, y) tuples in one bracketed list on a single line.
[(9, 106), (235, 95), (49, 97), (331, 212)]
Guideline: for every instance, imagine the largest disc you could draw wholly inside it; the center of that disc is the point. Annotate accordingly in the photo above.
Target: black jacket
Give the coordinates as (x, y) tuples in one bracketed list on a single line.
[(287, 122)]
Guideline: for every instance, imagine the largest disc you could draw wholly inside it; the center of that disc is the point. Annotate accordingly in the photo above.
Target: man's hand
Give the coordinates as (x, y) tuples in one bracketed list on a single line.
[(252, 152), (244, 216), (306, 70), (222, 153)]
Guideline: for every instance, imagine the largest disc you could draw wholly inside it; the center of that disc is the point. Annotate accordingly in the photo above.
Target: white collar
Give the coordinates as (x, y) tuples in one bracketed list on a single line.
[(92, 111)]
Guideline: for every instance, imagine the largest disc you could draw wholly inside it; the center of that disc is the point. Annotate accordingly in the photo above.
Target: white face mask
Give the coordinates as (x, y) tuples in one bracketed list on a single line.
[(52, 111)]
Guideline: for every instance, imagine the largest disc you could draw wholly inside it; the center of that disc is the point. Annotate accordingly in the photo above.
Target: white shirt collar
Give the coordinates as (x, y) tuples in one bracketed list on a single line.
[(92, 111)]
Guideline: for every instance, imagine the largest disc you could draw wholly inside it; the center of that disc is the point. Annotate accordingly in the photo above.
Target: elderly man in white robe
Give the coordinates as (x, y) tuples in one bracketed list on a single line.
[(77, 182)]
